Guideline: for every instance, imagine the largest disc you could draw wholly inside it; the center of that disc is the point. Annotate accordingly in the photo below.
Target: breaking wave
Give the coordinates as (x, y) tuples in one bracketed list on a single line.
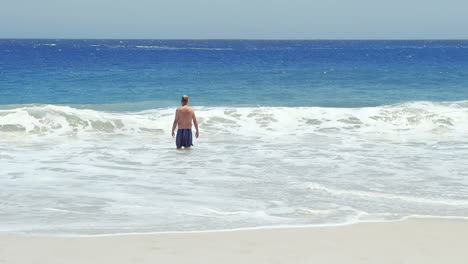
[(408, 120)]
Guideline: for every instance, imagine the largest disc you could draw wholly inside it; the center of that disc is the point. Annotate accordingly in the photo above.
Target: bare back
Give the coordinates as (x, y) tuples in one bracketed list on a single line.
[(184, 116)]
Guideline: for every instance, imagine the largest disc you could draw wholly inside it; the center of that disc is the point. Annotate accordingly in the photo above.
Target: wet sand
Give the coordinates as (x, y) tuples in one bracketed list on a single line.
[(412, 241)]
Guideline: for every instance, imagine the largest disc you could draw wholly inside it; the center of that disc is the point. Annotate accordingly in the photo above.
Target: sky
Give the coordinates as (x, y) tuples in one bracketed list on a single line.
[(234, 19)]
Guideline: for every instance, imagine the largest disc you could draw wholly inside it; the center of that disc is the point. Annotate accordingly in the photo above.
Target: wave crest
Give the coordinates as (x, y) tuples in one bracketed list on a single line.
[(415, 119)]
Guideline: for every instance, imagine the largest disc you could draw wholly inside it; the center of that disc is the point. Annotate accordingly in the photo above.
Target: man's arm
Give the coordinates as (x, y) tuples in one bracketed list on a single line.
[(174, 125), (195, 123)]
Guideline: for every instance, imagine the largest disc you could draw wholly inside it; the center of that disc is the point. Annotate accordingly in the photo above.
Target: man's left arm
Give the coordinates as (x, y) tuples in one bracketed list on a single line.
[(195, 123)]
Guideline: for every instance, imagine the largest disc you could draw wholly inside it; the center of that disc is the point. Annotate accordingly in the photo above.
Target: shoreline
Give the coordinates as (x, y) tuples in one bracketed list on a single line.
[(292, 226), (413, 240)]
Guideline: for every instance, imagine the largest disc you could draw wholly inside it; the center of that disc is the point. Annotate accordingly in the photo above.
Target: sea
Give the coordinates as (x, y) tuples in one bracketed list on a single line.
[(292, 133)]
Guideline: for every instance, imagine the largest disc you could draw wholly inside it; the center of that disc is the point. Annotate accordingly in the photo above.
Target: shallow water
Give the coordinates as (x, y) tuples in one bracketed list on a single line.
[(81, 171)]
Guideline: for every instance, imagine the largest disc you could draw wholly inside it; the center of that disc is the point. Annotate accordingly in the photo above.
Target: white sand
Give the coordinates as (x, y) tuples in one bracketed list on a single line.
[(411, 241)]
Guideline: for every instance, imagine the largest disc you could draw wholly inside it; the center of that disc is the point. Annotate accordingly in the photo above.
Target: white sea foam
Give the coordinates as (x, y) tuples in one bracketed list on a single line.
[(68, 171), (410, 121), (378, 195), (178, 48), (46, 44)]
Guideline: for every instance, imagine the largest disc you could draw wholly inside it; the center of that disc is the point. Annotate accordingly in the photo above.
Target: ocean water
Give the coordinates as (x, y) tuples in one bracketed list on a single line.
[(291, 133)]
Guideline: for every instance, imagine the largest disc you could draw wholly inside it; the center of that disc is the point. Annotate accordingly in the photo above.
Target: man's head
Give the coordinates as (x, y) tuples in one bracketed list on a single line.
[(184, 100)]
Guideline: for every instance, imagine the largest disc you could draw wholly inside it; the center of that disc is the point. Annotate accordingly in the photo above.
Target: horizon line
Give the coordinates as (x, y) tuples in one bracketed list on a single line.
[(253, 39)]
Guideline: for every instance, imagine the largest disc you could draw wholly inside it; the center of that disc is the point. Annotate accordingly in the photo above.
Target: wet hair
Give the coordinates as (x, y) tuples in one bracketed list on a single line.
[(184, 99)]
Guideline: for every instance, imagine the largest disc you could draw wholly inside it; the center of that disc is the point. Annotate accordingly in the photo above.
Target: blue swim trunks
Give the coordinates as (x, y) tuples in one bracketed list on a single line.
[(184, 138)]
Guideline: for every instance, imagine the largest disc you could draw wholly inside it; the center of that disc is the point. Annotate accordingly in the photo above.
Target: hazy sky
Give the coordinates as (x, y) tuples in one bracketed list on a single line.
[(247, 19)]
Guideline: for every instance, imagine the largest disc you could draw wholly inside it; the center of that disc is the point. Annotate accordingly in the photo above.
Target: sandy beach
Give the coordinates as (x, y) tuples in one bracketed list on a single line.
[(409, 241)]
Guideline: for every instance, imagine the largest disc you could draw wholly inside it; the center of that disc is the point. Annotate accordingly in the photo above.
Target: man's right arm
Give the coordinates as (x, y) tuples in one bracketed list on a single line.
[(174, 125)]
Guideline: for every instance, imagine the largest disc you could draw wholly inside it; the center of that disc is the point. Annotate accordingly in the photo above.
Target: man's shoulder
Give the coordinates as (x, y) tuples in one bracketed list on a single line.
[(186, 109)]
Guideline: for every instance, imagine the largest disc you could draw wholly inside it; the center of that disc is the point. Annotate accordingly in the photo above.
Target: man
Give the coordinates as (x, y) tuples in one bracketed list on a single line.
[(183, 120)]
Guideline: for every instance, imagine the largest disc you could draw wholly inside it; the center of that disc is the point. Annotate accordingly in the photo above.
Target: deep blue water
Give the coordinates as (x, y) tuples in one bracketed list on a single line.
[(232, 72)]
